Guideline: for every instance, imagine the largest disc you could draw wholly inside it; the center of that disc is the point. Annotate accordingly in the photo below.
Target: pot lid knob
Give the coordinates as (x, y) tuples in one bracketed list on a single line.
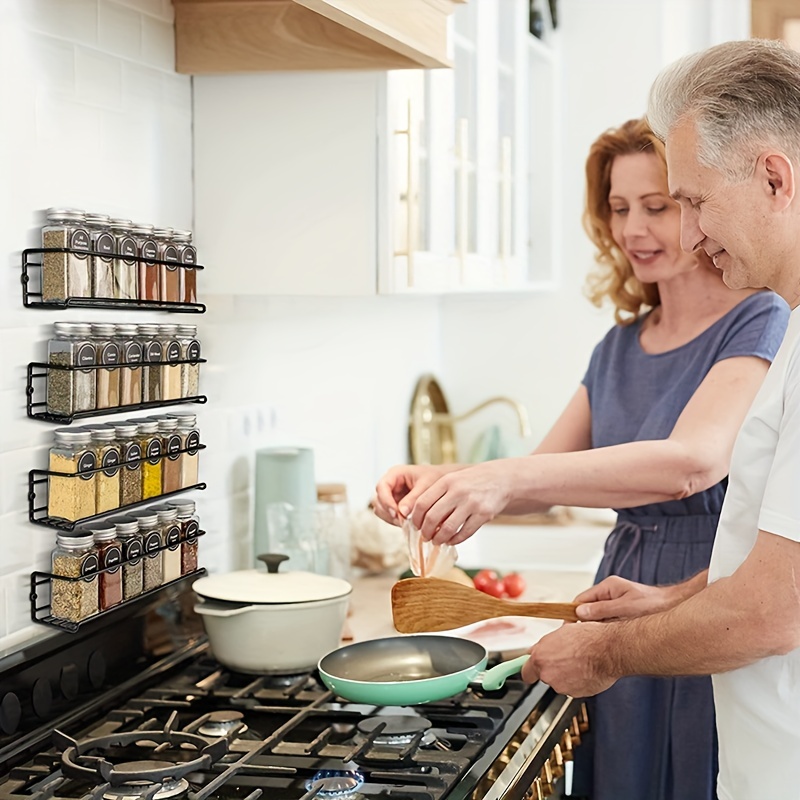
[(273, 561)]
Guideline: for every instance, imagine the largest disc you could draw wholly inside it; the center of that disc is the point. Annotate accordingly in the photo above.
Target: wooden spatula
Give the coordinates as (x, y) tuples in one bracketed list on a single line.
[(422, 605)]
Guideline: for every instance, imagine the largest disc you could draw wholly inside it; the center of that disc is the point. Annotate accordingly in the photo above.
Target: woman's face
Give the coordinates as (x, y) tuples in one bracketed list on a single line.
[(645, 221)]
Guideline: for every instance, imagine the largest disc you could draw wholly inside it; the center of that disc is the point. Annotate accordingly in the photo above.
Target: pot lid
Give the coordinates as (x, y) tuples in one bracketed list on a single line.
[(271, 586)]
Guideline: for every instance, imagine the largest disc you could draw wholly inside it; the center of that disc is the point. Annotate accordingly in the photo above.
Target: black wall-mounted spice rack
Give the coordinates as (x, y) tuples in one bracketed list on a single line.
[(38, 373), (31, 273)]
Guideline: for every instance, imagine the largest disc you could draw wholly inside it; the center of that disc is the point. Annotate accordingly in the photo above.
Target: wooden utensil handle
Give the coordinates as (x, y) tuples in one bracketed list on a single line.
[(565, 611)]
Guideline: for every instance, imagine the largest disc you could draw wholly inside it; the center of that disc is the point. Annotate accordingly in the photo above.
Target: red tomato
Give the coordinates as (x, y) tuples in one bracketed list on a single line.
[(514, 584), (484, 578), (496, 588)]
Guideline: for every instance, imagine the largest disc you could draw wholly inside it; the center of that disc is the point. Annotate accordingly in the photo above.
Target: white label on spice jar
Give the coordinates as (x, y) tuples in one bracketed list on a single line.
[(85, 356), (170, 254), (110, 462), (86, 463), (153, 352), (132, 551), (79, 240), (173, 538), (112, 556), (189, 255), (173, 351), (110, 353), (104, 243), (152, 543), (154, 451), (127, 248), (192, 443), (190, 535), (174, 447), (149, 248), (133, 353), (132, 452), (89, 567), (193, 350)]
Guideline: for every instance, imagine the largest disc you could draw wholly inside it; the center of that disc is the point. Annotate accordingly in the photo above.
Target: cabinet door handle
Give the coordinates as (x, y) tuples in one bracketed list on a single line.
[(412, 205), (462, 199), (505, 198)]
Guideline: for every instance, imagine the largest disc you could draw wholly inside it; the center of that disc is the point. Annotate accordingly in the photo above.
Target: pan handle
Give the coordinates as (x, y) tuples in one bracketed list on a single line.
[(495, 677), (219, 611)]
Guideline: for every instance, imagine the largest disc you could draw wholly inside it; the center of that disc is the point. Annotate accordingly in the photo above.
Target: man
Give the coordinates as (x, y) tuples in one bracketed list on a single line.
[(730, 117)]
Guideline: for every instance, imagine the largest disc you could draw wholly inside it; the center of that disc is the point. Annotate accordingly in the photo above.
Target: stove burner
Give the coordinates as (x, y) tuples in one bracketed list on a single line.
[(223, 723), (398, 730), (137, 789), (335, 783)]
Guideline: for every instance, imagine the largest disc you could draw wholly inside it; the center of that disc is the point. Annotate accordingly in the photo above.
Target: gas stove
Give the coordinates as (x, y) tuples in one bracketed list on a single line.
[(104, 717)]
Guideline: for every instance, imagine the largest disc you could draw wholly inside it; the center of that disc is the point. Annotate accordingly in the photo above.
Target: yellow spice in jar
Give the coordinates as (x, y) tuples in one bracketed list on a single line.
[(69, 498), (151, 479)]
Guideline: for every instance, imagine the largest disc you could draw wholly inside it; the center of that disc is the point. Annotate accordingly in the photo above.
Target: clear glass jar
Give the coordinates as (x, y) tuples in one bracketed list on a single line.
[(190, 442), (169, 274), (127, 532), (126, 270), (130, 453), (151, 543), (130, 377), (150, 442), (171, 537), (187, 255), (107, 353), (171, 448), (74, 556), (147, 248), (65, 274), (107, 491), (333, 528), (101, 263), (152, 353), (190, 526), (170, 369), (190, 352), (72, 498), (70, 391), (109, 554)]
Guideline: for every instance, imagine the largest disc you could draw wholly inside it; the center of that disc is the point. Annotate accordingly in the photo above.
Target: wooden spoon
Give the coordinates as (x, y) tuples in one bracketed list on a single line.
[(422, 605)]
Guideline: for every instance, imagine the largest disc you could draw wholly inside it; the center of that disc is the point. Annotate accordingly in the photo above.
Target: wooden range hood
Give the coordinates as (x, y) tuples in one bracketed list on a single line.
[(215, 36)]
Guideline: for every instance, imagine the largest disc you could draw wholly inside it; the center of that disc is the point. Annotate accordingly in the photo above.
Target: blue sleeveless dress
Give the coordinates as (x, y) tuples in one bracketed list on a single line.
[(655, 738)]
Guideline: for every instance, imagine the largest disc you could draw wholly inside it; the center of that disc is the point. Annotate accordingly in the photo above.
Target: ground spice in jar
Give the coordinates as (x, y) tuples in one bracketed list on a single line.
[(74, 557), (127, 532), (153, 572), (130, 377), (190, 527), (108, 353), (169, 277), (71, 498), (170, 368), (107, 491), (187, 255), (109, 554), (190, 446), (171, 448), (190, 353), (65, 274), (171, 537), (70, 391), (152, 353), (130, 453), (101, 263), (126, 279), (150, 442), (148, 271)]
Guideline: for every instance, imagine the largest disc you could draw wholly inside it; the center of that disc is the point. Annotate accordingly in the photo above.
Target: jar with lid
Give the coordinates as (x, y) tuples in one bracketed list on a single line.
[(106, 453), (65, 274), (72, 454), (190, 527), (333, 528), (170, 368), (171, 538), (101, 263), (126, 279), (150, 443), (187, 255), (74, 556), (108, 354), (148, 270), (130, 376), (190, 353), (171, 448), (153, 571), (109, 554), (127, 532), (130, 453), (152, 354), (190, 445), (169, 276), (70, 391)]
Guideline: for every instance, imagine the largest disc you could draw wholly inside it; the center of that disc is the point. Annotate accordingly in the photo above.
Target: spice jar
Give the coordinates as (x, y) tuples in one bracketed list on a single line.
[(150, 443), (171, 449), (130, 377), (187, 255), (189, 525), (101, 263), (170, 368), (130, 453), (69, 390), (127, 532), (152, 354), (65, 274), (109, 554), (107, 481), (190, 447), (190, 352), (333, 528), (126, 279), (169, 276), (108, 354), (153, 570), (72, 498), (171, 537), (74, 556), (148, 271)]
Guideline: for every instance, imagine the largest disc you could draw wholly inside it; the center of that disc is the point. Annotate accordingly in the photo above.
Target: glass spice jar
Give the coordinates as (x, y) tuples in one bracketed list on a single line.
[(148, 271), (152, 354), (109, 554), (126, 278), (153, 568), (101, 262), (190, 352), (72, 498), (65, 274), (107, 491), (171, 538), (170, 368), (130, 376), (169, 276), (190, 526), (74, 556), (150, 443), (130, 453), (190, 447), (171, 449), (69, 390), (108, 354), (187, 255), (127, 532)]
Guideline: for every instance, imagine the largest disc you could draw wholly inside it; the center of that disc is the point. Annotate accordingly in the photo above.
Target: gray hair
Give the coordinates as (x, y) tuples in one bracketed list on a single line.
[(742, 96)]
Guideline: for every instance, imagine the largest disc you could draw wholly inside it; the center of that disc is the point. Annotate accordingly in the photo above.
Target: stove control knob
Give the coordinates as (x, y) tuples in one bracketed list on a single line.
[(10, 713), (68, 681), (96, 669), (583, 718), (42, 697)]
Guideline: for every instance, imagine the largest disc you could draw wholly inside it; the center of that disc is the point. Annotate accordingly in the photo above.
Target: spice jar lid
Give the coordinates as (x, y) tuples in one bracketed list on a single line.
[(125, 428), (77, 539), (183, 236), (332, 492), (72, 436), (127, 329), (147, 329), (166, 513), (187, 330), (72, 328), (167, 425), (147, 426), (141, 227), (102, 433), (186, 419), (183, 507), (100, 219), (103, 531), (162, 233), (121, 223), (126, 526), (63, 214), (146, 519), (103, 329), (168, 329)]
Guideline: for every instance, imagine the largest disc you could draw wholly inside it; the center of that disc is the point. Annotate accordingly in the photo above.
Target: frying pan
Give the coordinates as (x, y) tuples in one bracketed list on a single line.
[(407, 670)]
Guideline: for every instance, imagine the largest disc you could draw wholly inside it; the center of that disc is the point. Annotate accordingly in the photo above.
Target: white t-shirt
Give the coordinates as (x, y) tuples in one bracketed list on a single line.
[(758, 706)]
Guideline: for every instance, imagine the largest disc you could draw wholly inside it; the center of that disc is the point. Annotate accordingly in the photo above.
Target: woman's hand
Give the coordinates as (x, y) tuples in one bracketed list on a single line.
[(618, 598), (396, 484)]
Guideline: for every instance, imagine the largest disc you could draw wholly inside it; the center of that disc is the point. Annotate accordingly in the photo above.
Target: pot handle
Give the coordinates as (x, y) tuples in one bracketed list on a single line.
[(220, 611), (272, 560), (495, 677)]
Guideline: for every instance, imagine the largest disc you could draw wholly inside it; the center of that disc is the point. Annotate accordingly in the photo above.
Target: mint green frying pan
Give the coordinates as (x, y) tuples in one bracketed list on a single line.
[(407, 670)]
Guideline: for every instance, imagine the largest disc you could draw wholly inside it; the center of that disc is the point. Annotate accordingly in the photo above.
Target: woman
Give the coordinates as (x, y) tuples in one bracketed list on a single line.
[(649, 432)]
